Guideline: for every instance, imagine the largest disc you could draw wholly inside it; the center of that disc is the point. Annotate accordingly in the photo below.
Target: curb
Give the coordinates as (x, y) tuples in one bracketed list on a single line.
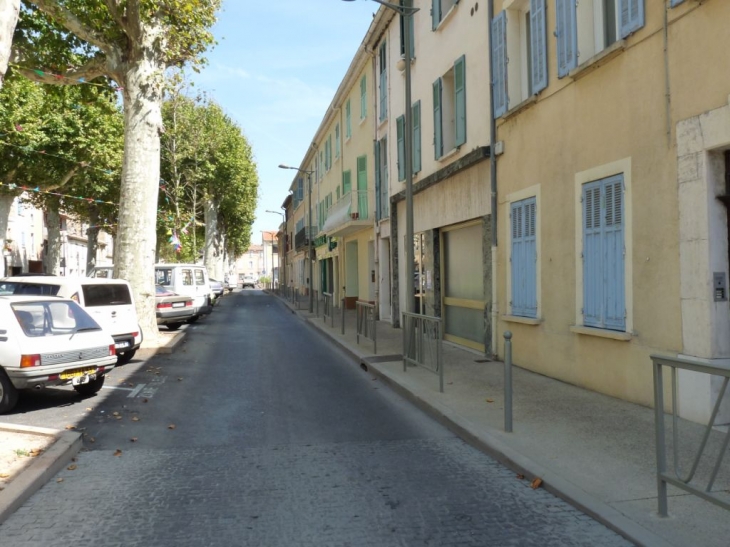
[(484, 441), (38, 473)]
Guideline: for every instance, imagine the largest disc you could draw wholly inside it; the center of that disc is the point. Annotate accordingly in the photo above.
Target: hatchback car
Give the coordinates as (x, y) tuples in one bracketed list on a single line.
[(48, 341), (172, 309)]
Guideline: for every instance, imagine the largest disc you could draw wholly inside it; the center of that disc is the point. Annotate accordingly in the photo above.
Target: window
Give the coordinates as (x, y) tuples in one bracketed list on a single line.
[(675, 2), (411, 28), (328, 153), (337, 141), (187, 276), (584, 29), (523, 258), (363, 98), (415, 141), (440, 9), (381, 179), (449, 109), (322, 164), (383, 86), (604, 303), (362, 187), (348, 120), (346, 182), (520, 36), (199, 278), (106, 295)]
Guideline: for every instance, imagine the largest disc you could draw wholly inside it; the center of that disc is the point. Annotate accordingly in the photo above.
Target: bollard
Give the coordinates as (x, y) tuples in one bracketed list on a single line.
[(343, 316), (508, 381)]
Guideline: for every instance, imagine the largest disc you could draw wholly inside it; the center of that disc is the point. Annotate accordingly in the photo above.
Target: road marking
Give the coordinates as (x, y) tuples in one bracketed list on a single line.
[(116, 387), (136, 391)]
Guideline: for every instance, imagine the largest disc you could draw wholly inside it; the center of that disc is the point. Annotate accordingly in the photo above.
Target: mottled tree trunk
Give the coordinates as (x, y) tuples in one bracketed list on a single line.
[(213, 255), (137, 234), (52, 261), (6, 202), (8, 20), (92, 239)]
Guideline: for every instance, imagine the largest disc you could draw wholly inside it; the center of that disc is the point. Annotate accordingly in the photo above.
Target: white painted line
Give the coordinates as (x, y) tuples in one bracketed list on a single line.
[(115, 387), (136, 391)]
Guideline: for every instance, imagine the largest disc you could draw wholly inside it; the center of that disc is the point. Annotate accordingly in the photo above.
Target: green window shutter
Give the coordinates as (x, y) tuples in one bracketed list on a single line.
[(416, 120), (438, 144), (376, 172), (348, 120), (363, 98), (362, 187), (382, 57), (337, 141), (400, 140), (346, 182), (435, 13), (460, 100)]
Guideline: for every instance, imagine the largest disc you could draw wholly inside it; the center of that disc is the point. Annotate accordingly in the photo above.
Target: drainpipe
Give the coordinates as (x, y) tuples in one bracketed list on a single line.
[(493, 178)]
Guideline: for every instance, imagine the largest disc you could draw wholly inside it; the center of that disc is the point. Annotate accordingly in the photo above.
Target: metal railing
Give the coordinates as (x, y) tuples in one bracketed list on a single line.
[(677, 478), (422, 343), (366, 323), (329, 310)]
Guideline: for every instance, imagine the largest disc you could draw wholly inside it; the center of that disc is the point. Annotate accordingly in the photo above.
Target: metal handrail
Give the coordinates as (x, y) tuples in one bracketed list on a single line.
[(366, 324), (422, 343), (328, 309), (678, 480)]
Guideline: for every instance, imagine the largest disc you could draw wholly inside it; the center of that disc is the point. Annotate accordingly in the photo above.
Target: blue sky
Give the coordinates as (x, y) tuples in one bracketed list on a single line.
[(275, 70)]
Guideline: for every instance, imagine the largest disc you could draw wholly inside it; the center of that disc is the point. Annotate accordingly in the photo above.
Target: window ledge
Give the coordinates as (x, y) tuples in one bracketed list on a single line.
[(448, 154), (601, 333), (597, 60), (520, 107), (446, 17), (382, 123), (362, 120), (524, 320)]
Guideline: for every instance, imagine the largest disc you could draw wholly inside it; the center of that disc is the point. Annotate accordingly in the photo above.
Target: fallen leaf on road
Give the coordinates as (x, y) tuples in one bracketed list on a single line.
[(520, 477), (118, 417), (135, 418), (118, 452), (536, 483), (35, 451), (4, 475), (171, 426), (59, 479), (490, 400), (133, 439), (115, 413), (70, 427), (179, 379), (88, 409), (92, 440), (71, 468), (145, 400)]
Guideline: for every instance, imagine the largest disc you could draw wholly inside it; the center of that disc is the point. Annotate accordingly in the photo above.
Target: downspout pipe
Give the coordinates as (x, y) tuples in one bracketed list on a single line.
[(493, 181)]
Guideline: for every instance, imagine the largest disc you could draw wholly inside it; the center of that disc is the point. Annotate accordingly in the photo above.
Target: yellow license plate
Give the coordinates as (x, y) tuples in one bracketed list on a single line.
[(76, 373)]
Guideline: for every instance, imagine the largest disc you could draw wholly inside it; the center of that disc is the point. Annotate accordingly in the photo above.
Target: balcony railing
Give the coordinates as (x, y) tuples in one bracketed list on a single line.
[(301, 239), (353, 207)]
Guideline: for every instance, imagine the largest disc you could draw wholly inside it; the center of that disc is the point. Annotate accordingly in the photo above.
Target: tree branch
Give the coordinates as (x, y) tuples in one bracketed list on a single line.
[(113, 7), (64, 17), (67, 177), (93, 69)]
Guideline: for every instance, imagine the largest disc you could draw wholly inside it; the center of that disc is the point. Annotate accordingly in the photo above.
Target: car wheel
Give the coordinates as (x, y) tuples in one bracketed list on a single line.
[(125, 357), (8, 393), (92, 388), (173, 326)]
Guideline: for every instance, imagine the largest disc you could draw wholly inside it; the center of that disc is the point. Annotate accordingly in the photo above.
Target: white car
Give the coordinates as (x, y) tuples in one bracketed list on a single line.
[(188, 280), (48, 341), (108, 301)]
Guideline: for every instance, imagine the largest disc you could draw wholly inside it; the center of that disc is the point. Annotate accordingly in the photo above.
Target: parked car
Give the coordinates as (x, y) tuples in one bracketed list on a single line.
[(108, 301), (217, 287), (172, 309), (48, 341), (248, 280), (188, 280), (102, 271)]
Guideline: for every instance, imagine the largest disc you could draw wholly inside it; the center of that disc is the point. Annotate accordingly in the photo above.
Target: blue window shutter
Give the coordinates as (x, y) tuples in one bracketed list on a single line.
[(499, 58), (400, 140), (592, 255), (416, 122), (631, 16), (460, 100), (524, 258), (376, 154), (437, 120), (567, 35), (538, 46), (613, 249), (674, 3), (435, 13)]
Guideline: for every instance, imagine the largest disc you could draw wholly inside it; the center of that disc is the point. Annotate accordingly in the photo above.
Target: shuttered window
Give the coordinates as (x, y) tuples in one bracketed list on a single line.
[(382, 56), (363, 98), (604, 303), (523, 219), (348, 120), (400, 132), (416, 138), (460, 100), (499, 58), (337, 141), (675, 2), (538, 46), (411, 28), (567, 36), (437, 120), (346, 182), (631, 16)]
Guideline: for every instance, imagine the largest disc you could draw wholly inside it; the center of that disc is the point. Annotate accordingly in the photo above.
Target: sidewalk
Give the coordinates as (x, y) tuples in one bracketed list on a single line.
[(595, 451)]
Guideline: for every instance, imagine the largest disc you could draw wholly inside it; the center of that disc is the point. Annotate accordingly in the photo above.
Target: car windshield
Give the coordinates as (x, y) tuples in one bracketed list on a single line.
[(52, 318), (107, 294), (25, 287)]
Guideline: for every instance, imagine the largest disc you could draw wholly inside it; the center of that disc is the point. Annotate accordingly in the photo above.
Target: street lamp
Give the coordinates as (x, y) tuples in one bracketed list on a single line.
[(272, 249), (407, 12), (308, 230)]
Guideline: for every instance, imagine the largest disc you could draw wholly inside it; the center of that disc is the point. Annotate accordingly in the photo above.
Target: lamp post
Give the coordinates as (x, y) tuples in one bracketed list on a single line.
[(272, 247), (308, 230), (407, 13)]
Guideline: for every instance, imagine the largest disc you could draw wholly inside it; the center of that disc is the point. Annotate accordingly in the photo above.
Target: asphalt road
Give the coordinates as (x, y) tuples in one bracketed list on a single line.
[(259, 432)]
